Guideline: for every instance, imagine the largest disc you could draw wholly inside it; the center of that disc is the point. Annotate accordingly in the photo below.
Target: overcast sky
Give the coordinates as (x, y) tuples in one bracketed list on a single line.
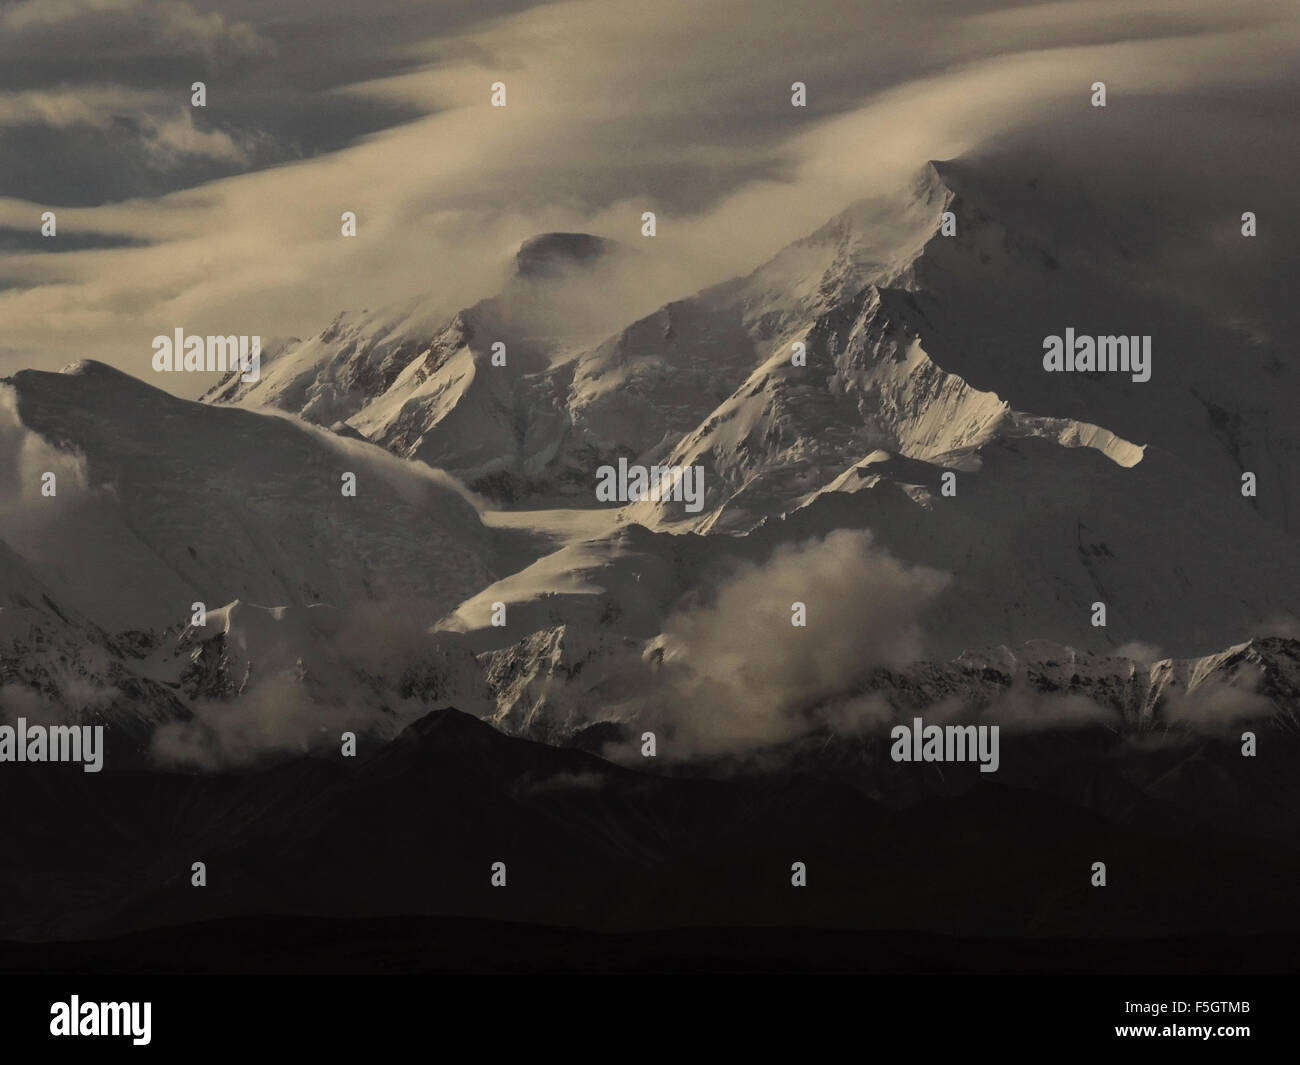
[(226, 219)]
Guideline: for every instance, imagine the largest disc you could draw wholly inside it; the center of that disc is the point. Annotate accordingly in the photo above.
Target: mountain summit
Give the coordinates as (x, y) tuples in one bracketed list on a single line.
[(551, 254)]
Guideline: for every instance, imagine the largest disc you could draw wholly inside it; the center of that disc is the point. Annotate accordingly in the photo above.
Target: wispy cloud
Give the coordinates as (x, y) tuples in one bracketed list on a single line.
[(598, 128), (85, 105), (172, 25)]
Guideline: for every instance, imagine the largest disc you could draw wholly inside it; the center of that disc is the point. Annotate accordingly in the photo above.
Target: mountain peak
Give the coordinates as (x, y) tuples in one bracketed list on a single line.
[(448, 730), (936, 181), (91, 377), (549, 254), (447, 718), (93, 368)]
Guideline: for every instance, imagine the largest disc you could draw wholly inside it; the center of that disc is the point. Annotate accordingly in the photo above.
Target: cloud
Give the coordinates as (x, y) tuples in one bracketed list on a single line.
[(737, 674), (164, 135), (80, 696), (1140, 652), (1215, 705), (304, 675), (140, 26), (96, 106), (169, 139), (597, 129), (27, 515), (414, 482), (279, 716), (1022, 709), (29, 13)]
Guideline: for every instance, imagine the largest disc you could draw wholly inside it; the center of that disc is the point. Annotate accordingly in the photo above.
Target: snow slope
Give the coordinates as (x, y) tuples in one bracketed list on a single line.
[(194, 503), (706, 380)]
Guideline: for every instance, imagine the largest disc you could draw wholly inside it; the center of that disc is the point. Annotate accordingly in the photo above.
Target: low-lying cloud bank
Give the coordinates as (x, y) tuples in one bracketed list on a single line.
[(303, 676), (739, 673)]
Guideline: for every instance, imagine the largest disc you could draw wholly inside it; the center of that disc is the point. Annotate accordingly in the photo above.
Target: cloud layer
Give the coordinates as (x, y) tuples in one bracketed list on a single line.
[(738, 673), (599, 127)]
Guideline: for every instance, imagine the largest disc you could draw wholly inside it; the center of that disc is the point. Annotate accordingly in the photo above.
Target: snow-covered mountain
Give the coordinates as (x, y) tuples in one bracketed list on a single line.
[(546, 420), (561, 683), (583, 625), (159, 504), (1038, 250), (177, 502), (918, 416), (921, 343), (481, 394)]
